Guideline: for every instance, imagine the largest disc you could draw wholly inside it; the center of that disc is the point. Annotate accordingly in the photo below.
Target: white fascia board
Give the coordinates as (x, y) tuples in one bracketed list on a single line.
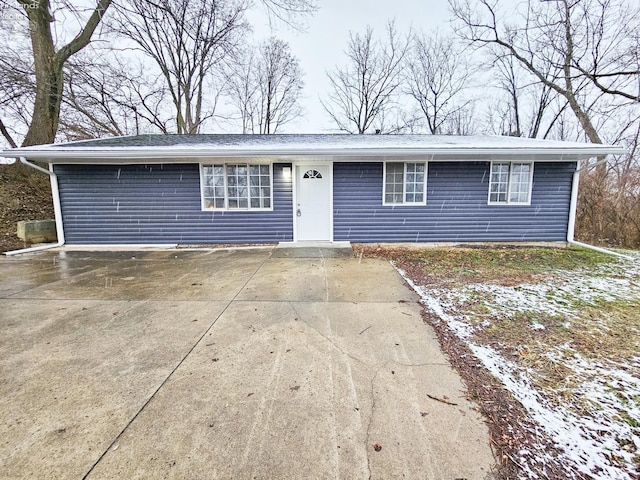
[(172, 154)]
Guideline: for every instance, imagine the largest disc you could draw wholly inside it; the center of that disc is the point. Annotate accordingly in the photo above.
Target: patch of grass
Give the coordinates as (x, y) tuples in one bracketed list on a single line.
[(607, 333), (629, 420), (610, 329), (525, 332), (506, 266)]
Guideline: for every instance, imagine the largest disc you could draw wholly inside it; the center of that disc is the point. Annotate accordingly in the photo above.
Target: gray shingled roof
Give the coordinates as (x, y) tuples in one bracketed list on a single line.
[(222, 141)]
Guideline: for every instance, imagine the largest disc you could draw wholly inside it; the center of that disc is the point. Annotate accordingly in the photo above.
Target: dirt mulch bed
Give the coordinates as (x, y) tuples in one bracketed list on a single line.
[(23, 196)]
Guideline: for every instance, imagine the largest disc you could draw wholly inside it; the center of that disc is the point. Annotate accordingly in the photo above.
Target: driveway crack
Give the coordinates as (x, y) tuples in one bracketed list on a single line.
[(373, 409), (327, 338)]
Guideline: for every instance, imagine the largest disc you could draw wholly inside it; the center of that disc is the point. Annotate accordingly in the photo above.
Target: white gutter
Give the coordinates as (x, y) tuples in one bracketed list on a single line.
[(55, 193), (173, 152)]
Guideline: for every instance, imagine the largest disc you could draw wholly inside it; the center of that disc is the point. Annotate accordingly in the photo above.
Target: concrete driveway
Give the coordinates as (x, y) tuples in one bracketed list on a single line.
[(224, 364)]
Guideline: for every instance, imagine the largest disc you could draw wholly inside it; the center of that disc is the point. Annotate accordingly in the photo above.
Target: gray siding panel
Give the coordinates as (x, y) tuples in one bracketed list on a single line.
[(456, 207), (137, 204)]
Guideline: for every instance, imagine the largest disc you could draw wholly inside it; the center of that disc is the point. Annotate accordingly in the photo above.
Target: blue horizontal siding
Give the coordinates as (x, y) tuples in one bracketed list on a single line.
[(137, 204), (456, 207)]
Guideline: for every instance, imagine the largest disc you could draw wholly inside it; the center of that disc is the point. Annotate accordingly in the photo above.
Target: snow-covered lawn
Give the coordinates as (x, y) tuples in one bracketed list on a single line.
[(565, 343)]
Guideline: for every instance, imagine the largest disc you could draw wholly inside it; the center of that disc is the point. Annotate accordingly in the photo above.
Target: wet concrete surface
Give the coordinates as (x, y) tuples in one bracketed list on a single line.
[(235, 364)]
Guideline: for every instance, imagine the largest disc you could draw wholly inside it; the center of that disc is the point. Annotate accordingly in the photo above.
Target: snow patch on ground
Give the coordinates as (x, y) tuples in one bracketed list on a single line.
[(601, 441)]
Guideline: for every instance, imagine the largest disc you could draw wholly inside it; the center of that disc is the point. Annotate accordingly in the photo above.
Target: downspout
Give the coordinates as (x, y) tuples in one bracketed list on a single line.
[(572, 215), (55, 194)]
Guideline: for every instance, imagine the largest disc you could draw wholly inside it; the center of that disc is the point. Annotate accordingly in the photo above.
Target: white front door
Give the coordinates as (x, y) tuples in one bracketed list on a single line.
[(313, 203)]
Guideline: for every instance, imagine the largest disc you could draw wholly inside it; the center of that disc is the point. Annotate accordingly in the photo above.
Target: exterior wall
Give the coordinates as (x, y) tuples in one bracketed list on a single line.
[(456, 209), (138, 204)]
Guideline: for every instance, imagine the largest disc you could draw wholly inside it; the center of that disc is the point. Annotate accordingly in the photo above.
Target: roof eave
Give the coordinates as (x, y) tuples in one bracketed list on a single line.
[(59, 155)]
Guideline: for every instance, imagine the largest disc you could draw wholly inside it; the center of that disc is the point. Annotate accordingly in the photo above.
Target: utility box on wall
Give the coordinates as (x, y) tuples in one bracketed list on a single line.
[(37, 231)]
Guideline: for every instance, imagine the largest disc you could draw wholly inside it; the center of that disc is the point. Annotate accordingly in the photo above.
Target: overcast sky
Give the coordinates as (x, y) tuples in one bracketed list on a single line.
[(321, 46)]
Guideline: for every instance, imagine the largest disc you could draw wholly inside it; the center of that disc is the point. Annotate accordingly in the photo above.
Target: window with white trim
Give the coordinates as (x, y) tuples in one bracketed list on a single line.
[(510, 183), (238, 186), (405, 183)]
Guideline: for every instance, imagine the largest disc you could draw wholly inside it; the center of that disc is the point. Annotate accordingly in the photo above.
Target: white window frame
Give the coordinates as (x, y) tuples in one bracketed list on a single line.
[(404, 185), (226, 208), (507, 201)]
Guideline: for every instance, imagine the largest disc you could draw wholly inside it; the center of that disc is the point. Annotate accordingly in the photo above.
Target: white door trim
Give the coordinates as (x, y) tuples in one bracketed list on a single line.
[(294, 178)]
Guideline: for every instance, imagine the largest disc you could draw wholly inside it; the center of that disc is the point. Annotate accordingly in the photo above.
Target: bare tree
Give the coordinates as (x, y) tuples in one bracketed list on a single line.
[(265, 87), (547, 43), (49, 60), (242, 88), (368, 85), (280, 79), (436, 77), (526, 106), (609, 51), (462, 122), (17, 84), (187, 40), (112, 97)]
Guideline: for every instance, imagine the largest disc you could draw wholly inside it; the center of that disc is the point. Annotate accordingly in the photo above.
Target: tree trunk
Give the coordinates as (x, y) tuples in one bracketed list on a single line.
[(46, 109), (48, 66)]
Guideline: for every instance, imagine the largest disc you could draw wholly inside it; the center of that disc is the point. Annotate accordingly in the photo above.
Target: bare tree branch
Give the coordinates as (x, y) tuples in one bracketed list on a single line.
[(187, 41), (106, 96), (7, 135), (436, 77), (545, 46), (265, 87), (367, 86)]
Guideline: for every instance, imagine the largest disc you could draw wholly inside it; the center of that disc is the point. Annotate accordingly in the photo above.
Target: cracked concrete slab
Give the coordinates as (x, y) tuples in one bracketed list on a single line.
[(225, 365)]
